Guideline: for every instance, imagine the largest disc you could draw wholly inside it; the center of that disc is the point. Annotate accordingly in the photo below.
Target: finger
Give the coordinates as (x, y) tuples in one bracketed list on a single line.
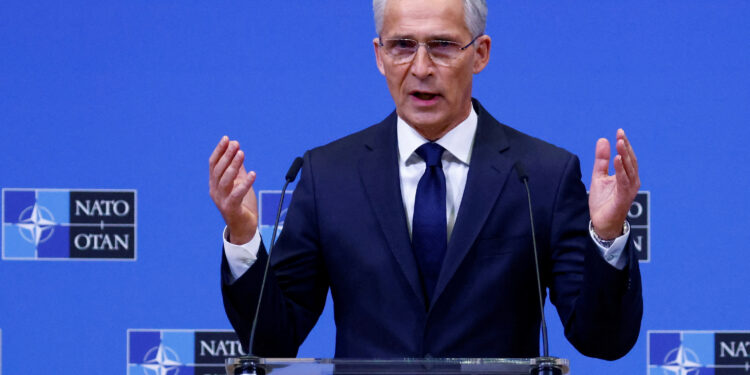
[(631, 151), (213, 159), (239, 191), (230, 174), (601, 158), (623, 181), (225, 160), (242, 173), (635, 178), (220, 147), (626, 161)]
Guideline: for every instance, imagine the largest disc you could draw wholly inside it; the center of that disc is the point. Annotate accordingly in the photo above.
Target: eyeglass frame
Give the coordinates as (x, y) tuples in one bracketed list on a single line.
[(427, 49)]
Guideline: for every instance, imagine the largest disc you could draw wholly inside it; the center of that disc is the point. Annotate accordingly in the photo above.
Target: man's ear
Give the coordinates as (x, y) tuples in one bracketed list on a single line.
[(482, 53), (378, 58)]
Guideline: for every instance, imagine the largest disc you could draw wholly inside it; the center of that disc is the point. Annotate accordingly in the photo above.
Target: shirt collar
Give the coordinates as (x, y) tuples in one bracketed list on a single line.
[(458, 142)]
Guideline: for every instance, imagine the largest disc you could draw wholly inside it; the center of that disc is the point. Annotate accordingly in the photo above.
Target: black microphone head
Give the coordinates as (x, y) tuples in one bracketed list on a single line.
[(520, 171), (294, 169)]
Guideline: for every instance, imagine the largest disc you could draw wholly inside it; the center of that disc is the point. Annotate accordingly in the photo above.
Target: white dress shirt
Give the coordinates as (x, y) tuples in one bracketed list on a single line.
[(456, 159), (457, 144)]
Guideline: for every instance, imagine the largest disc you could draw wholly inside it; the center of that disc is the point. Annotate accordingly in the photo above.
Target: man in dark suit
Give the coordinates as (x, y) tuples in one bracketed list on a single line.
[(420, 228)]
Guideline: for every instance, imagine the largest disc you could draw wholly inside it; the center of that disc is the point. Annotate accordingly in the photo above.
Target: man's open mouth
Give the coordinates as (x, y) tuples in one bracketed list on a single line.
[(423, 95)]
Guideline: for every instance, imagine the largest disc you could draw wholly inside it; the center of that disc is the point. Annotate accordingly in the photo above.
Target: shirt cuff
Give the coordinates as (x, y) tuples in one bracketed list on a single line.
[(613, 251), (240, 257)]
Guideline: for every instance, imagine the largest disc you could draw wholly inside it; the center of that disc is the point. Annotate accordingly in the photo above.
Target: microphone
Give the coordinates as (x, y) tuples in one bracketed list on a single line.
[(250, 368), (546, 364), (291, 175)]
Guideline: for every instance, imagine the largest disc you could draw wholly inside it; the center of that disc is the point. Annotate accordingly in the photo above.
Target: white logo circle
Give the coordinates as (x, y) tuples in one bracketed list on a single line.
[(681, 361), (36, 224), (161, 360)]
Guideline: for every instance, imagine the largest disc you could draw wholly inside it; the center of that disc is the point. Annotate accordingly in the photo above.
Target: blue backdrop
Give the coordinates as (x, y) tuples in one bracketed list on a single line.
[(135, 94)]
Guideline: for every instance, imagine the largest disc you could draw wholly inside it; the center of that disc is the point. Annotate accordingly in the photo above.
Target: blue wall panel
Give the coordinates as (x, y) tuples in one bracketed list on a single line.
[(135, 94)]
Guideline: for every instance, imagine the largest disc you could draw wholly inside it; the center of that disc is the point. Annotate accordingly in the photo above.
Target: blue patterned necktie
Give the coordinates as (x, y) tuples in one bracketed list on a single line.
[(429, 226)]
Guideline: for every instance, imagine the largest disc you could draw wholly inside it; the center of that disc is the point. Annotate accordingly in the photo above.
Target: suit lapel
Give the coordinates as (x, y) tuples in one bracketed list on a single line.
[(488, 171), (379, 172)]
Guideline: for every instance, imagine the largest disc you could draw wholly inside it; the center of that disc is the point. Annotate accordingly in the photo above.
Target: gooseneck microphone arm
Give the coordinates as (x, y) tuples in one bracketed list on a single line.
[(525, 179), (544, 365), (291, 175)]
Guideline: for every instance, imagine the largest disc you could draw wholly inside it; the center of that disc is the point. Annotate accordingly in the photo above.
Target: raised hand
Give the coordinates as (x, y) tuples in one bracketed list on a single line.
[(231, 188), (610, 197)]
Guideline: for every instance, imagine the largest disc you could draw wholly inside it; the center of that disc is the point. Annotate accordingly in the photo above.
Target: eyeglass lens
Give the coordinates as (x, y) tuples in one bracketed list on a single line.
[(403, 50)]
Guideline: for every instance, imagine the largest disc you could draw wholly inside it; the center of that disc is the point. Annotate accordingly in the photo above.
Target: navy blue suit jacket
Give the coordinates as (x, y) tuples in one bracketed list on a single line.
[(346, 230)]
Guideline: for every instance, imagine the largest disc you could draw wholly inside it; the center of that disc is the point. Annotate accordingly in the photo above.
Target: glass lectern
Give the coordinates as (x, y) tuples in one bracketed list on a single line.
[(445, 366)]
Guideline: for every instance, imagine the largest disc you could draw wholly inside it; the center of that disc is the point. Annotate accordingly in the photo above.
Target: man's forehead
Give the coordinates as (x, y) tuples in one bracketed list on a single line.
[(424, 18)]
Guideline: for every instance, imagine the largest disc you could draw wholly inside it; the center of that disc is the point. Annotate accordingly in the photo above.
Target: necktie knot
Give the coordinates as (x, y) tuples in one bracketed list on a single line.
[(431, 153)]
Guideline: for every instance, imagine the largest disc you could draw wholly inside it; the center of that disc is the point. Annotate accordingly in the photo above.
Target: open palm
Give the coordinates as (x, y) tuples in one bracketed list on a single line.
[(610, 196)]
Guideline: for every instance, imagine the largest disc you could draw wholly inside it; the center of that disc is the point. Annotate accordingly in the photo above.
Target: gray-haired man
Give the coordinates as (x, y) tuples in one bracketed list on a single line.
[(407, 280)]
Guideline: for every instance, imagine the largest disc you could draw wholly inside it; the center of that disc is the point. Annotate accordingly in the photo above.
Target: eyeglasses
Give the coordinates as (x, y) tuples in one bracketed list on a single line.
[(442, 52)]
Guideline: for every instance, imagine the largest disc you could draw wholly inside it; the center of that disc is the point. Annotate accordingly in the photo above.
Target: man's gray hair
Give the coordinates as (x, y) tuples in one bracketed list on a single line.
[(475, 13)]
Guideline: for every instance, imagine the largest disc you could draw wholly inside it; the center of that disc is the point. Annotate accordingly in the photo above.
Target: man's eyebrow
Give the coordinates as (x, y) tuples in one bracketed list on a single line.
[(447, 37), (444, 37), (399, 36)]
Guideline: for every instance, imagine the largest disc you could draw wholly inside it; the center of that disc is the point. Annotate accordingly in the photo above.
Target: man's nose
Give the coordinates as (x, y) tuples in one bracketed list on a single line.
[(422, 64)]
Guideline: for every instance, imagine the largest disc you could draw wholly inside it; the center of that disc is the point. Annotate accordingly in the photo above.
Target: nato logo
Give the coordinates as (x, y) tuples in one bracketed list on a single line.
[(639, 218), (698, 352), (62, 224), (180, 352), (268, 207)]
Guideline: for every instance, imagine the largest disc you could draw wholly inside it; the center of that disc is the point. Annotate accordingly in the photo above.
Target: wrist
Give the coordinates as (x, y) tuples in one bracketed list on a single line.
[(239, 236), (609, 233)]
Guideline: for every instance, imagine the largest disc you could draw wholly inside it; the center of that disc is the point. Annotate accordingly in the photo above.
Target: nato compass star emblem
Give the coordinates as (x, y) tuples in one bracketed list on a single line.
[(36, 224), (681, 361), (161, 360)]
